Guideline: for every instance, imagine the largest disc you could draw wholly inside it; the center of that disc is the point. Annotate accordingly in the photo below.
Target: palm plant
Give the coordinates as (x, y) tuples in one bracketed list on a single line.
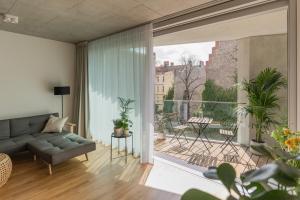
[(263, 99), (125, 108)]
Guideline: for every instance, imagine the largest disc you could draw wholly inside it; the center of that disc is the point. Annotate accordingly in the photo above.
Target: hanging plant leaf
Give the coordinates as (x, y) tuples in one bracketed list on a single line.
[(194, 194), (287, 175), (264, 173), (255, 189), (227, 175), (275, 194), (211, 173), (245, 174)]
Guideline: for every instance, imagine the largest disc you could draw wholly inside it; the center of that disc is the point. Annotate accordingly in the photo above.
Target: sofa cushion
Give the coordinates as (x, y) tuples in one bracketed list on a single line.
[(45, 135), (55, 124), (9, 147), (28, 125), (4, 129), (23, 140), (60, 148)]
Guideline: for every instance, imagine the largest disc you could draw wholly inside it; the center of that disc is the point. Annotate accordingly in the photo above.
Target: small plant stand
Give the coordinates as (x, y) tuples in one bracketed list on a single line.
[(113, 135)]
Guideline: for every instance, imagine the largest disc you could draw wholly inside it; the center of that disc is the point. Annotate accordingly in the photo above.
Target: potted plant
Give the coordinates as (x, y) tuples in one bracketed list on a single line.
[(121, 126), (263, 102), (289, 141), (118, 127)]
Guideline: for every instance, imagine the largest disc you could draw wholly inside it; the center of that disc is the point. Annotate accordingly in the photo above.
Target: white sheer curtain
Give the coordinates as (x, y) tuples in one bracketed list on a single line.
[(121, 65)]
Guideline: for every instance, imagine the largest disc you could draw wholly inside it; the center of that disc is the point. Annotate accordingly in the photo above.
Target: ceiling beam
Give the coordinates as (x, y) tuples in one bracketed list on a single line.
[(220, 16)]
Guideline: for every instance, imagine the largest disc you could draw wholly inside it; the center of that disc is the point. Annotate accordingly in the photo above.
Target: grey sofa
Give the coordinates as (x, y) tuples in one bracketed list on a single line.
[(24, 134)]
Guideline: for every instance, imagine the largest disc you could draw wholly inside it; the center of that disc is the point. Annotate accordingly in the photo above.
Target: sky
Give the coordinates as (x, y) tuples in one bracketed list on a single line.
[(173, 53)]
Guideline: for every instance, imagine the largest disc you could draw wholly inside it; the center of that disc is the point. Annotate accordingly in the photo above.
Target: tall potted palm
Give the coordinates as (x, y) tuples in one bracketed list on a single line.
[(263, 101)]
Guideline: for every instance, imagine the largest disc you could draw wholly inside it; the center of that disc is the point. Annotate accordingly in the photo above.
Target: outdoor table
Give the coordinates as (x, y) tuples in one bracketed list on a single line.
[(199, 125)]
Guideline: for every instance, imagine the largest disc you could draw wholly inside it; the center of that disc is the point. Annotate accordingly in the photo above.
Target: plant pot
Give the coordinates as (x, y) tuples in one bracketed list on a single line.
[(119, 131), (255, 143), (126, 132)]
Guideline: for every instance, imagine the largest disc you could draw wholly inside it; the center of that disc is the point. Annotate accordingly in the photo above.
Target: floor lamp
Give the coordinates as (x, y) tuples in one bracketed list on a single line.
[(65, 90)]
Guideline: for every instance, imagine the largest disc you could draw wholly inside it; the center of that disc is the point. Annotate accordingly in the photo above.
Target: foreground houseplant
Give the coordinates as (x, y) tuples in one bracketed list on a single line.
[(289, 141), (263, 101), (121, 125), (274, 181)]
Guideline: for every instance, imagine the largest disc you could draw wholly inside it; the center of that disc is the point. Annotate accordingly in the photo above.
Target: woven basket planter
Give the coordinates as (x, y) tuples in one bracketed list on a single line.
[(5, 168)]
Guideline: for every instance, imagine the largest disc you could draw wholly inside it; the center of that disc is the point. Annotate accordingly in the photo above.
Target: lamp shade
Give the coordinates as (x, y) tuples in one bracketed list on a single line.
[(65, 90)]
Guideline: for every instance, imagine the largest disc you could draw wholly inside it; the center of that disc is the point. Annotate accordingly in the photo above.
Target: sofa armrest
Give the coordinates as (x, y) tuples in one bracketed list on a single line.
[(70, 127)]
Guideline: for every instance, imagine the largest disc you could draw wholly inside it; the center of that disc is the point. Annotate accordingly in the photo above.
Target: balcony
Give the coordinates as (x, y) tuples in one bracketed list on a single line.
[(175, 137)]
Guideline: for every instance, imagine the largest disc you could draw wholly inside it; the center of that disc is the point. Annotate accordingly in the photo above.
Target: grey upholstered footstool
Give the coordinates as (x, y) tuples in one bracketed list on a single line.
[(54, 150)]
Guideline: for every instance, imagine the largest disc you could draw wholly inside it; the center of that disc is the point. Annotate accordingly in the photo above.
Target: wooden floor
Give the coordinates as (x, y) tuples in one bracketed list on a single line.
[(97, 178), (199, 156)]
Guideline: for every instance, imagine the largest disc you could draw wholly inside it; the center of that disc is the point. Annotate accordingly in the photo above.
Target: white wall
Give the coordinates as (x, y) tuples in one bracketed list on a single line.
[(29, 68)]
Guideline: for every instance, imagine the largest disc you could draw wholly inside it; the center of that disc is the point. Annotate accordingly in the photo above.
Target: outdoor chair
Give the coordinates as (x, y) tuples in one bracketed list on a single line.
[(176, 126), (229, 132)]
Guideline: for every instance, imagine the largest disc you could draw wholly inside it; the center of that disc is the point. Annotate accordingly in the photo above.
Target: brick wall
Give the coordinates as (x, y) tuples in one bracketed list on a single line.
[(222, 64)]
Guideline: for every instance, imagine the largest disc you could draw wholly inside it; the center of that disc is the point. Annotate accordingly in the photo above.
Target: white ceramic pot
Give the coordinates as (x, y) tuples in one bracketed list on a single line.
[(254, 143), (126, 132)]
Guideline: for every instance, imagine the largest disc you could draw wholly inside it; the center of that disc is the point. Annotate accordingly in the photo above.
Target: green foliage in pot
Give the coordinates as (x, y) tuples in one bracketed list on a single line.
[(118, 123), (263, 99), (124, 122), (125, 108), (276, 180)]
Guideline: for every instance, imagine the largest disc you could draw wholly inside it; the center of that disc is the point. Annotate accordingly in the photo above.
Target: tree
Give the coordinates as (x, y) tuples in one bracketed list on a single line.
[(168, 105), (189, 76), (219, 111)]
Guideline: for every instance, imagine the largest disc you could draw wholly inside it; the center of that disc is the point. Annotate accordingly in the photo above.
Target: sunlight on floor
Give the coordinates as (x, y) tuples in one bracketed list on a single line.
[(177, 179)]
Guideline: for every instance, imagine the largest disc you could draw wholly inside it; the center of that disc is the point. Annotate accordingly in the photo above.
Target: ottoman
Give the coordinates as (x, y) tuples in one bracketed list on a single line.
[(5, 168), (59, 148)]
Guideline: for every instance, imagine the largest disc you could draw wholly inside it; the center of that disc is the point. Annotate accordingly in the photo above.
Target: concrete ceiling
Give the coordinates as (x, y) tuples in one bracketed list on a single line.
[(78, 20), (266, 23)]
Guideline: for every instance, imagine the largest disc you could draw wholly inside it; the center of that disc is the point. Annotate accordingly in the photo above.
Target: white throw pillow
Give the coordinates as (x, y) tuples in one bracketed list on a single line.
[(55, 124)]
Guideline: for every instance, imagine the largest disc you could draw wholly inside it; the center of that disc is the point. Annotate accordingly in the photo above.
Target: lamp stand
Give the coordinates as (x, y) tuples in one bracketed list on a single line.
[(62, 105)]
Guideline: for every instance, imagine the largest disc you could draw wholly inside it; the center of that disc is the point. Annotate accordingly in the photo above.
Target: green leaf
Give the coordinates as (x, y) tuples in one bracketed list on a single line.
[(211, 174), (273, 153), (194, 194), (264, 150), (227, 175), (275, 195), (231, 198), (245, 174), (244, 198), (255, 189), (262, 174), (287, 175)]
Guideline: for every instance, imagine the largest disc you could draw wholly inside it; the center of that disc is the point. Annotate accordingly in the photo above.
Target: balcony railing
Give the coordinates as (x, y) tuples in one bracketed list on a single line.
[(175, 112)]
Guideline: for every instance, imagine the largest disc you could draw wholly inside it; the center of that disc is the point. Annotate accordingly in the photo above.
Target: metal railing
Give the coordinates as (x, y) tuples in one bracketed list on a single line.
[(176, 112)]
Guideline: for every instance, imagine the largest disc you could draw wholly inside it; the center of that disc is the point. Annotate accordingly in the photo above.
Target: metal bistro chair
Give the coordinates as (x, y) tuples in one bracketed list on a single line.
[(229, 132), (176, 126)]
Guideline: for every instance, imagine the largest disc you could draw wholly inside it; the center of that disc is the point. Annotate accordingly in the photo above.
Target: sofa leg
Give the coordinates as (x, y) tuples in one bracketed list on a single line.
[(86, 157), (34, 157), (50, 169)]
